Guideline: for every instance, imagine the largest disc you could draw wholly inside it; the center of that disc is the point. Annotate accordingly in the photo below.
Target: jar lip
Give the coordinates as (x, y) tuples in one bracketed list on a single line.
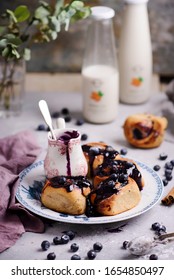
[(102, 12), (136, 1)]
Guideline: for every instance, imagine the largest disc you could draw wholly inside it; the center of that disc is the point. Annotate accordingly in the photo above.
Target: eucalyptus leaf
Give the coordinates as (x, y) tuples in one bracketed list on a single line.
[(15, 53), (27, 54), (55, 24), (12, 15), (21, 13), (41, 13), (3, 43), (58, 7), (77, 4), (5, 52)]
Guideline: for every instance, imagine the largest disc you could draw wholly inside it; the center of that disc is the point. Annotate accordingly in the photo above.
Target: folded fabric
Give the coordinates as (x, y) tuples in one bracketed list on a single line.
[(16, 153)]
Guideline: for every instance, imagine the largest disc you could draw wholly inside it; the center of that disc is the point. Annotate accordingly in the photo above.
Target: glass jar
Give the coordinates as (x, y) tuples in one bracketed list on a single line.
[(135, 53), (100, 86)]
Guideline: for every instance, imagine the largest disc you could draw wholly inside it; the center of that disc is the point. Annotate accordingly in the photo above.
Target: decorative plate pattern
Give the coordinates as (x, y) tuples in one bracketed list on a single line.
[(31, 182)]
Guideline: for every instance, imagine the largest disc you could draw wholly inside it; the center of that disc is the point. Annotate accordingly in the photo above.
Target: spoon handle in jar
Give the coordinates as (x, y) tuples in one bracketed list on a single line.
[(46, 115)]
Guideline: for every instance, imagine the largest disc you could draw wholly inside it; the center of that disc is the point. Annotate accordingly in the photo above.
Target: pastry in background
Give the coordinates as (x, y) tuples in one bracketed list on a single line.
[(145, 130)]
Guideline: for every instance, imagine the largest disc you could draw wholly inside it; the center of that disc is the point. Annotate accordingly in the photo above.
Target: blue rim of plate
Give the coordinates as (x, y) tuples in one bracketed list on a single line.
[(28, 197)]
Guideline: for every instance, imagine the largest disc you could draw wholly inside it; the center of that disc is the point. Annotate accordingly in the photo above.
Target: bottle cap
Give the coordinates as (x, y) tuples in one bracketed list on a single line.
[(136, 1), (102, 12)]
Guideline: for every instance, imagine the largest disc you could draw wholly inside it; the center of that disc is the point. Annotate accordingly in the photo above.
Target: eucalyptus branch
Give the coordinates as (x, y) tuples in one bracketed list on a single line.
[(22, 27)]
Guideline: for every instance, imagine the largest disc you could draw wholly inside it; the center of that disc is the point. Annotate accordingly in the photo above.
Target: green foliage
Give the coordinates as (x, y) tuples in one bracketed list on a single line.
[(21, 28)]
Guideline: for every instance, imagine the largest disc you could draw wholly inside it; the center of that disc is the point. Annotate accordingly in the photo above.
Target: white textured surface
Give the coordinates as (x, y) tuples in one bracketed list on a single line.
[(28, 246)]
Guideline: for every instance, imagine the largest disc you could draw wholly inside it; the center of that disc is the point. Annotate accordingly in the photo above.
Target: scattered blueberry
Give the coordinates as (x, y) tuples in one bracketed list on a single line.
[(41, 127), (123, 151), (168, 172), (80, 122), (91, 254), (65, 111), (74, 247), (67, 118), (162, 229), (125, 244), (165, 182), (163, 156), (169, 177), (156, 167), (97, 247), (75, 257), (84, 137), (55, 115), (156, 226), (65, 239), (51, 256), (172, 162), (168, 165), (153, 257), (45, 245), (70, 233), (57, 240)]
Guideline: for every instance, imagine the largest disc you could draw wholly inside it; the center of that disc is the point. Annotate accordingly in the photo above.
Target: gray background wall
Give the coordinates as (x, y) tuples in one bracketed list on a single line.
[(65, 54)]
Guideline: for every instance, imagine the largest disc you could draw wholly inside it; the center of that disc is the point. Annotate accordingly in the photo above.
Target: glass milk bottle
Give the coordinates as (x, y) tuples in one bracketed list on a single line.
[(135, 53), (99, 69)]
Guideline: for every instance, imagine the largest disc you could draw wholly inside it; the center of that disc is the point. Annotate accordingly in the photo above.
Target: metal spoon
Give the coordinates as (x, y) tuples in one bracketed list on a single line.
[(46, 115), (141, 245)]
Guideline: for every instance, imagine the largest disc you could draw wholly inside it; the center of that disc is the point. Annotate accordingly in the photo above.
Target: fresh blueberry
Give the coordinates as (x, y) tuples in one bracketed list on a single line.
[(125, 244), (55, 115), (65, 239), (45, 245), (172, 162), (75, 257), (97, 247), (153, 257), (156, 167), (65, 111), (74, 247), (61, 180), (57, 240), (169, 177), (156, 226), (84, 137), (67, 118), (123, 151), (162, 229), (80, 122), (168, 172), (51, 256), (165, 182), (41, 127), (94, 151), (70, 233), (163, 156), (168, 165), (91, 254)]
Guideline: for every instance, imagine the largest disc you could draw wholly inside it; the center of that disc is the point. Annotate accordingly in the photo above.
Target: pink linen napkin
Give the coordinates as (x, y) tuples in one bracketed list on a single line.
[(16, 153)]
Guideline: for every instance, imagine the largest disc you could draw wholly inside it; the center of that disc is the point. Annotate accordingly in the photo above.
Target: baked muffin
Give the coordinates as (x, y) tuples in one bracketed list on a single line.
[(66, 194), (145, 130)]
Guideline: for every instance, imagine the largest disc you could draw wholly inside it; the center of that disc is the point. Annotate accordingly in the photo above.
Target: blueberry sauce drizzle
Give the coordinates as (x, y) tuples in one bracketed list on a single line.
[(65, 138), (70, 182)]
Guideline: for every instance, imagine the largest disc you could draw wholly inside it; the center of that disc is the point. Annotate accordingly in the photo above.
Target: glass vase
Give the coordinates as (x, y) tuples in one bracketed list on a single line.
[(12, 84)]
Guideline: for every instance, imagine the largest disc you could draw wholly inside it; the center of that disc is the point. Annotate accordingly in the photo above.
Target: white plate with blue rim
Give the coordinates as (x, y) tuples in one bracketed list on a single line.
[(32, 179)]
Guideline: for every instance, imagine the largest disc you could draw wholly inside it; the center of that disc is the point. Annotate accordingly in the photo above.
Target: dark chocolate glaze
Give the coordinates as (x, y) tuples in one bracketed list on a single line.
[(65, 138)]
